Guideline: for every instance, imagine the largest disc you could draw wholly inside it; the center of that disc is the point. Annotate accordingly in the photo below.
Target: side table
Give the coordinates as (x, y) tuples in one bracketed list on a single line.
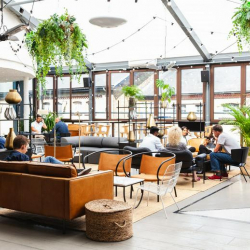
[(127, 182)]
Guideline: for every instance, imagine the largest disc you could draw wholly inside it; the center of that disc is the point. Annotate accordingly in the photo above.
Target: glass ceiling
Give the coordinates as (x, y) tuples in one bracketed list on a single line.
[(210, 19)]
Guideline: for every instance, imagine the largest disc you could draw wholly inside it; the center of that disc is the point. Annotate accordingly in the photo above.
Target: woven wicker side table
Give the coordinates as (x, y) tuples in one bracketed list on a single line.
[(108, 220)]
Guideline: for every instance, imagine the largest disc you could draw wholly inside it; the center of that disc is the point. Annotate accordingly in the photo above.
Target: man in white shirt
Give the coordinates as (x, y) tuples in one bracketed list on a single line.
[(151, 141), (226, 143), (38, 124)]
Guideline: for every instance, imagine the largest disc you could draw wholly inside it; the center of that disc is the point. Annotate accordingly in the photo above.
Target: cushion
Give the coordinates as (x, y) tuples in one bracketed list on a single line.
[(112, 142), (54, 170), (14, 166)]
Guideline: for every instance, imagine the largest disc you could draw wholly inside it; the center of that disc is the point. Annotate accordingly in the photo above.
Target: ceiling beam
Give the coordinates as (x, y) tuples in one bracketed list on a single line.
[(23, 2), (185, 26)]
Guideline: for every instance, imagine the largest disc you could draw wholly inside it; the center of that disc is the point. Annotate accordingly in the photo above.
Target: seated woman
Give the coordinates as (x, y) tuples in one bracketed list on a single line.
[(209, 142), (175, 144)]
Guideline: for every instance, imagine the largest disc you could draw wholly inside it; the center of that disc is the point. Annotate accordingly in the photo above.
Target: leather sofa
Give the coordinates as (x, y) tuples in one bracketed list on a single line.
[(90, 144), (51, 190)]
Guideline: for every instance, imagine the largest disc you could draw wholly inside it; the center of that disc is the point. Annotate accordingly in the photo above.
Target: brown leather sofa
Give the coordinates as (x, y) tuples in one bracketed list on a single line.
[(51, 190)]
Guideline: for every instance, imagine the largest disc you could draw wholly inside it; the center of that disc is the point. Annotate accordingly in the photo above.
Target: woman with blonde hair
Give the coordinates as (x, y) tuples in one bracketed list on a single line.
[(175, 144)]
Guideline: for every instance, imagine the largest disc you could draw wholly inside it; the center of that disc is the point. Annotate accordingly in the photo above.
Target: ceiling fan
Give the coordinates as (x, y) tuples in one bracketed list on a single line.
[(9, 33)]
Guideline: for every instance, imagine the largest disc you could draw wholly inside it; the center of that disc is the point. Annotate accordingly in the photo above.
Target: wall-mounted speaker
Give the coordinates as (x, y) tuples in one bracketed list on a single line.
[(86, 83), (205, 76)]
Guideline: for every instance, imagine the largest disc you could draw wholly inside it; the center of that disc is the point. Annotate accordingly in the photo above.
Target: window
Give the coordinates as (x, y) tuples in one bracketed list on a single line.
[(145, 81), (47, 101), (248, 85), (227, 81), (63, 97), (118, 80), (191, 92), (100, 96)]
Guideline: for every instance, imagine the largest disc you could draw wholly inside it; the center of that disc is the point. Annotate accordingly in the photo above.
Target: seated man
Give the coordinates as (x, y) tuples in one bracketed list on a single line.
[(20, 145), (60, 127), (186, 137), (151, 141), (38, 124), (217, 158)]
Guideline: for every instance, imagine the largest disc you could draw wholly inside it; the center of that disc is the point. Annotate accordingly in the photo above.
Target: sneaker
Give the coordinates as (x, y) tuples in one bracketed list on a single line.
[(83, 172), (214, 177), (224, 175)]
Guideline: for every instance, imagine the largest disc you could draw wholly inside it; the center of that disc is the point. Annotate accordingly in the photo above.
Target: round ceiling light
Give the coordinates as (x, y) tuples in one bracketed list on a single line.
[(107, 21)]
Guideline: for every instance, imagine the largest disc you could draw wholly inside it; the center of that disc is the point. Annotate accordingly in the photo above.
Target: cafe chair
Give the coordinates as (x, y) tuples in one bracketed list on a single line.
[(136, 161), (240, 157), (63, 153), (195, 142), (165, 185), (112, 159), (103, 130), (190, 164), (152, 168)]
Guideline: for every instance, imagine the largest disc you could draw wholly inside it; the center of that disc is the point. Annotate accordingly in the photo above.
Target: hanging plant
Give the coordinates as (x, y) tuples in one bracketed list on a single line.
[(241, 24), (57, 41)]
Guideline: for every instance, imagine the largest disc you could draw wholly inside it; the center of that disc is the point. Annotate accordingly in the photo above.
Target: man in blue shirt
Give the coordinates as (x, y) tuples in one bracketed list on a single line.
[(2, 142), (60, 127)]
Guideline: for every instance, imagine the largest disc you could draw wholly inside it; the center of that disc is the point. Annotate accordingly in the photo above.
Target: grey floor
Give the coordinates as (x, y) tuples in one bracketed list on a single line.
[(192, 228)]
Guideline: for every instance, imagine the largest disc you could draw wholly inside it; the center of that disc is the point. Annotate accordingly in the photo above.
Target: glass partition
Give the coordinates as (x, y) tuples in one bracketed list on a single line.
[(118, 80), (191, 93), (100, 98), (47, 101), (227, 82)]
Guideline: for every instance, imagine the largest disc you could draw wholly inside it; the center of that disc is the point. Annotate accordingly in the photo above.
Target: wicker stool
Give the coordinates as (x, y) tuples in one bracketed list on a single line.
[(108, 220)]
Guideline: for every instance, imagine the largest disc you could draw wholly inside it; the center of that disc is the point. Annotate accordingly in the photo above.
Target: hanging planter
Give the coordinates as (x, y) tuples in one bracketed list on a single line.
[(57, 41), (241, 25)]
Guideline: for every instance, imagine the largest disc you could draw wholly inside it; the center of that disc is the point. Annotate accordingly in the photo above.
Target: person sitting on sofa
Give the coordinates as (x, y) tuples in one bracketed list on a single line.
[(175, 144), (60, 127), (151, 141), (20, 146), (38, 124), (186, 137)]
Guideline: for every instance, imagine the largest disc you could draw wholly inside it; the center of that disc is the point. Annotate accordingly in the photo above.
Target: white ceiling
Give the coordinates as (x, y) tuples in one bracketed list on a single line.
[(157, 38)]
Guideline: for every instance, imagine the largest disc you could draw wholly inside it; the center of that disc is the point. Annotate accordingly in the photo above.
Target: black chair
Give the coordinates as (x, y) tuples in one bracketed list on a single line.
[(136, 161), (240, 157), (190, 164)]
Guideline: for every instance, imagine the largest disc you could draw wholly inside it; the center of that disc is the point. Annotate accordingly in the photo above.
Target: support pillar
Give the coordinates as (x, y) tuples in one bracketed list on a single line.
[(207, 101)]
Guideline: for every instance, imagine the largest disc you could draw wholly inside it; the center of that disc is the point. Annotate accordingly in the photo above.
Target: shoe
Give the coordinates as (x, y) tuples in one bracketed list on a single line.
[(198, 179), (214, 177), (224, 175), (84, 171)]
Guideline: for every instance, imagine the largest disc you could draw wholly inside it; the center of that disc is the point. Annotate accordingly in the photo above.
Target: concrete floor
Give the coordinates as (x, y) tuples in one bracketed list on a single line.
[(181, 230)]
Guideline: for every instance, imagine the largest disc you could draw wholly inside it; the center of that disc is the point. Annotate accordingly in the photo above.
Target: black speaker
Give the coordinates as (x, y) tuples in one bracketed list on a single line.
[(86, 83), (205, 76)]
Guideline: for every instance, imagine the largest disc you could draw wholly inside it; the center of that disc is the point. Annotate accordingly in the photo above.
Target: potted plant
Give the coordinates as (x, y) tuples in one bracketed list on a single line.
[(134, 93), (166, 92), (241, 24), (49, 120), (58, 41), (240, 121)]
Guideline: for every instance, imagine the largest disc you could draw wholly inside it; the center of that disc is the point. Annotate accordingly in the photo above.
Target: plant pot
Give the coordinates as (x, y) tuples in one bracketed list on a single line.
[(9, 139), (13, 97), (131, 102), (10, 113), (164, 104)]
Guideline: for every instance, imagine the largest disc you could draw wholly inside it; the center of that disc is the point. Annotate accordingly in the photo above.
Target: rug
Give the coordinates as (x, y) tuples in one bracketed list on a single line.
[(183, 187)]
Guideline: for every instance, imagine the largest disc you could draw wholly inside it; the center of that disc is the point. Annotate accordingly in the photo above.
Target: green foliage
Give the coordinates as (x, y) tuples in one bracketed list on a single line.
[(57, 41), (241, 121), (241, 24), (49, 120), (133, 91), (167, 90)]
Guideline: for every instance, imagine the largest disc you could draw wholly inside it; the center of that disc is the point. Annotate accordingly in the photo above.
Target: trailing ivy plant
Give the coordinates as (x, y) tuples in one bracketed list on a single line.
[(57, 41), (241, 24)]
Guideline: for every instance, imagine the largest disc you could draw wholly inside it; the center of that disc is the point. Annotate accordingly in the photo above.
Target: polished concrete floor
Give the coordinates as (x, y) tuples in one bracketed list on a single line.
[(193, 228)]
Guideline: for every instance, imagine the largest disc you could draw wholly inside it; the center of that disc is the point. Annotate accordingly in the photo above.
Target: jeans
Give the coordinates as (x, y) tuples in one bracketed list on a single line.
[(50, 159), (219, 159)]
